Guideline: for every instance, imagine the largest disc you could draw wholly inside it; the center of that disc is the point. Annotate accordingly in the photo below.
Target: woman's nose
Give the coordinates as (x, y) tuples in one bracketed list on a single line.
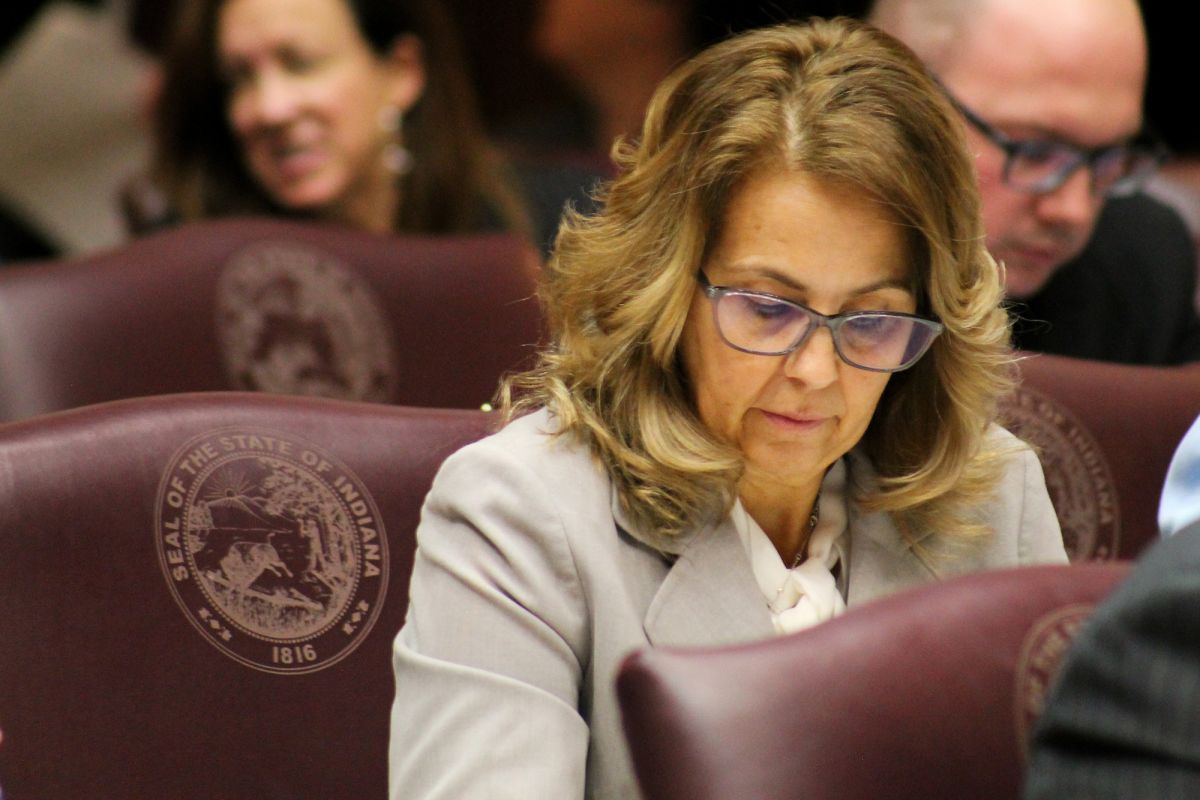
[(815, 362), (270, 100)]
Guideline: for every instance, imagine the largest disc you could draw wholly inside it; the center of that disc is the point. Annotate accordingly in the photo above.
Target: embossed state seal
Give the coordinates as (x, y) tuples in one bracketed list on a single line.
[(1042, 652), (294, 320), (272, 547), (1078, 477)]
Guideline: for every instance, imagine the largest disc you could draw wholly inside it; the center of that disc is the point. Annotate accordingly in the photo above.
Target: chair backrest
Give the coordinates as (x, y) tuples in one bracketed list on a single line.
[(200, 591), (926, 694), (1105, 433), (269, 305)]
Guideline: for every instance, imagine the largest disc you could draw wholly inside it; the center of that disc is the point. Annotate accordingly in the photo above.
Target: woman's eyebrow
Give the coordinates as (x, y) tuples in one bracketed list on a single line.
[(790, 282), (886, 283)]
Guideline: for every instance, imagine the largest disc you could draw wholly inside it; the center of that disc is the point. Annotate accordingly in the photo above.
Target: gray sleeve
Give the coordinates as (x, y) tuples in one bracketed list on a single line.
[(490, 660), (1039, 536)]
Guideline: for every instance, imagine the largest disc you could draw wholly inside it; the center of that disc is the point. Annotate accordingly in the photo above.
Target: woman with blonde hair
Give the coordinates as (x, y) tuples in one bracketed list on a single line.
[(771, 394)]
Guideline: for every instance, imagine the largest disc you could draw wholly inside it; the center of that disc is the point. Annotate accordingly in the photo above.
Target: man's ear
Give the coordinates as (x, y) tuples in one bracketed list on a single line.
[(405, 62)]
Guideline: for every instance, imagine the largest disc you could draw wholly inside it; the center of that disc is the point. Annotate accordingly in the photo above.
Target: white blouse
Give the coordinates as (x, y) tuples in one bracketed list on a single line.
[(807, 594)]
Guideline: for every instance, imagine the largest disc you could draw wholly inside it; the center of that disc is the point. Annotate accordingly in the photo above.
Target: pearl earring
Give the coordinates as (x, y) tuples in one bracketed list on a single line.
[(397, 158)]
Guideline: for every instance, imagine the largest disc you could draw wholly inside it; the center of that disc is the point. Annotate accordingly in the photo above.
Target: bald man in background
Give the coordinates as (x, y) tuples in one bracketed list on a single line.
[(1051, 93)]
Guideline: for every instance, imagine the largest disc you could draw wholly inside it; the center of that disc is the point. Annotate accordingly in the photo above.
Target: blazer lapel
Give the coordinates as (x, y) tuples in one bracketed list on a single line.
[(709, 595), (881, 562)]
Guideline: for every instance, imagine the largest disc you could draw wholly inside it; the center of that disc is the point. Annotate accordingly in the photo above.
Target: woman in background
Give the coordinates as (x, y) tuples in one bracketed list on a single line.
[(354, 111)]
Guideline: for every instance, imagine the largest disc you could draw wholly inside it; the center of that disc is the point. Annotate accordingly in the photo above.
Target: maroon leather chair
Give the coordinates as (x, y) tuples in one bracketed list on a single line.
[(926, 694), (199, 593), (269, 305), (1105, 434)]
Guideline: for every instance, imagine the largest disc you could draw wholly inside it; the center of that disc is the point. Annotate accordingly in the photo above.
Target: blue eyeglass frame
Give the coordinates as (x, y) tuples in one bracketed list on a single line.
[(833, 323), (1154, 152)]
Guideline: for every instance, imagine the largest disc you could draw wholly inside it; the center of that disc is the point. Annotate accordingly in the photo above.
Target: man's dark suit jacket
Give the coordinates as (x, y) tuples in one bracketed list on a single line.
[(1129, 297), (1123, 719)]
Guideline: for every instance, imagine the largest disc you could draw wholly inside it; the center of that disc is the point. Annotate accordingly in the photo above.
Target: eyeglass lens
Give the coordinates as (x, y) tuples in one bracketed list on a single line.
[(1045, 166), (757, 323)]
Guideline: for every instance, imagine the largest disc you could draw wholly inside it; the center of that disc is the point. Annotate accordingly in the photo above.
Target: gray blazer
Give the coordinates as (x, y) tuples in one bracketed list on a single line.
[(530, 587)]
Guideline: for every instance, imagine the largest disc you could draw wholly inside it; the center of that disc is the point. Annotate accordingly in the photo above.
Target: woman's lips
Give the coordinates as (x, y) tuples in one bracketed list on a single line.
[(292, 162), (801, 422)]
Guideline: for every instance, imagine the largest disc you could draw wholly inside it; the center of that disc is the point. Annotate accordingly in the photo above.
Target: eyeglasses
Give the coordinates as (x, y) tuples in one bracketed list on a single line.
[(764, 324), (1041, 166)]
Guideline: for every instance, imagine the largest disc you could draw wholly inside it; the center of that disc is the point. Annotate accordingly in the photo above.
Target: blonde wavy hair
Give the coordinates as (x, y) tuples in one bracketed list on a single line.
[(842, 102)]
